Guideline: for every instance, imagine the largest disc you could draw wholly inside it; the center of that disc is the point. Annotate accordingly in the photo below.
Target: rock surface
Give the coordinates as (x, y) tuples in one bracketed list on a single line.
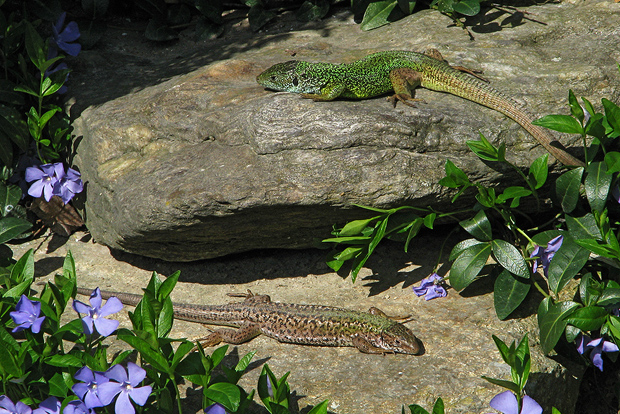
[(456, 330), (198, 161)]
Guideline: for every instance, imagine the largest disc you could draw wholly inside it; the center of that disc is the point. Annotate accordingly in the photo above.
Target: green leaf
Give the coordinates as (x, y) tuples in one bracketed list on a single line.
[(355, 227), (484, 149), (376, 238), (468, 265), (515, 193), (416, 409), (597, 185), (320, 408), (381, 13), (258, 16), (612, 113), (64, 361), (566, 263), (11, 227), (588, 318), (35, 46), (539, 171), (10, 195), (148, 353), (508, 293), (462, 246), (503, 383), (455, 177), (560, 123), (510, 258), (479, 226), (575, 109), (612, 160), (551, 321), (467, 8), (224, 393), (312, 10), (583, 227), (438, 408), (567, 189), (610, 296), (23, 270)]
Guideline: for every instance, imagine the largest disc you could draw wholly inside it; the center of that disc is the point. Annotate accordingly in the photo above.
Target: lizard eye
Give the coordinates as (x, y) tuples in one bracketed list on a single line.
[(295, 81)]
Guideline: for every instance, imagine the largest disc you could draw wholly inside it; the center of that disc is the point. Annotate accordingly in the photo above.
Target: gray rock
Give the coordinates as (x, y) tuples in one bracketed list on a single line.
[(208, 163)]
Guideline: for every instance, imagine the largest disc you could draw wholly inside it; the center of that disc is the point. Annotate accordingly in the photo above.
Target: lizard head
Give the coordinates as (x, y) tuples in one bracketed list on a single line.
[(288, 76), (398, 338)]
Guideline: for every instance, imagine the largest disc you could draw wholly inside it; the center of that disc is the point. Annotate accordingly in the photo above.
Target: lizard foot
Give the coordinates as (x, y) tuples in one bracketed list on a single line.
[(394, 99), (401, 319)]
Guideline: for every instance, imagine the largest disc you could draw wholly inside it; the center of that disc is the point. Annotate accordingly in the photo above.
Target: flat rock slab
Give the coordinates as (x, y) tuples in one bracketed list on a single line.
[(207, 163), (456, 330)]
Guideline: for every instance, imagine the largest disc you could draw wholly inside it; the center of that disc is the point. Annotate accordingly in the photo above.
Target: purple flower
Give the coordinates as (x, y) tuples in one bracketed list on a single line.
[(598, 346), (544, 256), (69, 185), (431, 287), (216, 408), (77, 407), (126, 387), (45, 178), (26, 315), (63, 38), (49, 406), (95, 314), (7, 406), (507, 403), (87, 390)]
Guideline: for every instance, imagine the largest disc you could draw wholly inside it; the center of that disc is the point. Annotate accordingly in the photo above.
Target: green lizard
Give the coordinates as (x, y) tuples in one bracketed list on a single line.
[(401, 72), (372, 332)]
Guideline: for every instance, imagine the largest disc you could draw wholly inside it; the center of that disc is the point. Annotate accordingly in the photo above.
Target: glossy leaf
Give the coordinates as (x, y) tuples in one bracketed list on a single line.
[(612, 160), (575, 108), (566, 263), (461, 246), (610, 296), (583, 227), (484, 149), (510, 258), (479, 226), (567, 189), (551, 321), (467, 7), (612, 113), (380, 13), (11, 227), (539, 171), (10, 195), (224, 393), (508, 293), (355, 227), (560, 123), (597, 185), (468, 265), (588, 318)]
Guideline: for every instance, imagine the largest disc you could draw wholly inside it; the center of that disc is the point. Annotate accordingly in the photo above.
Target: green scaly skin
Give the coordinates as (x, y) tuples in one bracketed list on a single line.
[(401, 72), (372, 332)]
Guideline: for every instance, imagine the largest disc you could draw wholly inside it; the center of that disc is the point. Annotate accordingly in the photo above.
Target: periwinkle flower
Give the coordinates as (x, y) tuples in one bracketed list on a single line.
[(88, 390), (50, 406), (216, 408), (125, 384), (26, 315), (544, 255), (63, 38), (8, 407), (507, 403), (45, 178), (95, 314), (69, 185), (431, 287), (598, 346), (77, 407)]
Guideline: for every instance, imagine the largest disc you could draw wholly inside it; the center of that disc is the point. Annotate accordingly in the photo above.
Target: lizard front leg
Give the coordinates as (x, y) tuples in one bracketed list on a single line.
[(246, 332), (404, 81), (366, 347)]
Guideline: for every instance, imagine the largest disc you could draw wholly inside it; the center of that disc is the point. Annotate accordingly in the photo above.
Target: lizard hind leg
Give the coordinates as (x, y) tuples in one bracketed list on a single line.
[(404, 81), (435, 54), (231, 336)]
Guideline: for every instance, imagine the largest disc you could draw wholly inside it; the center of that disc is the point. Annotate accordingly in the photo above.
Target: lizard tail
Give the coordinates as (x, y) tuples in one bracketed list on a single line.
[(465, 86), (125, 298)]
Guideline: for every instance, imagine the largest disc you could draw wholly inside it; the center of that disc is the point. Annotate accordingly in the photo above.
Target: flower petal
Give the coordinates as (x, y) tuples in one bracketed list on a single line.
[(530, 406), (106, 327), (36, 189), (107, 391), (36, 325), (610, 347), (116, 373), (123, 405), (111, 306), (136, 374), (141, 394), (81, 307), (506, 402), (87, 324), (597, 357), (95, 298)]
